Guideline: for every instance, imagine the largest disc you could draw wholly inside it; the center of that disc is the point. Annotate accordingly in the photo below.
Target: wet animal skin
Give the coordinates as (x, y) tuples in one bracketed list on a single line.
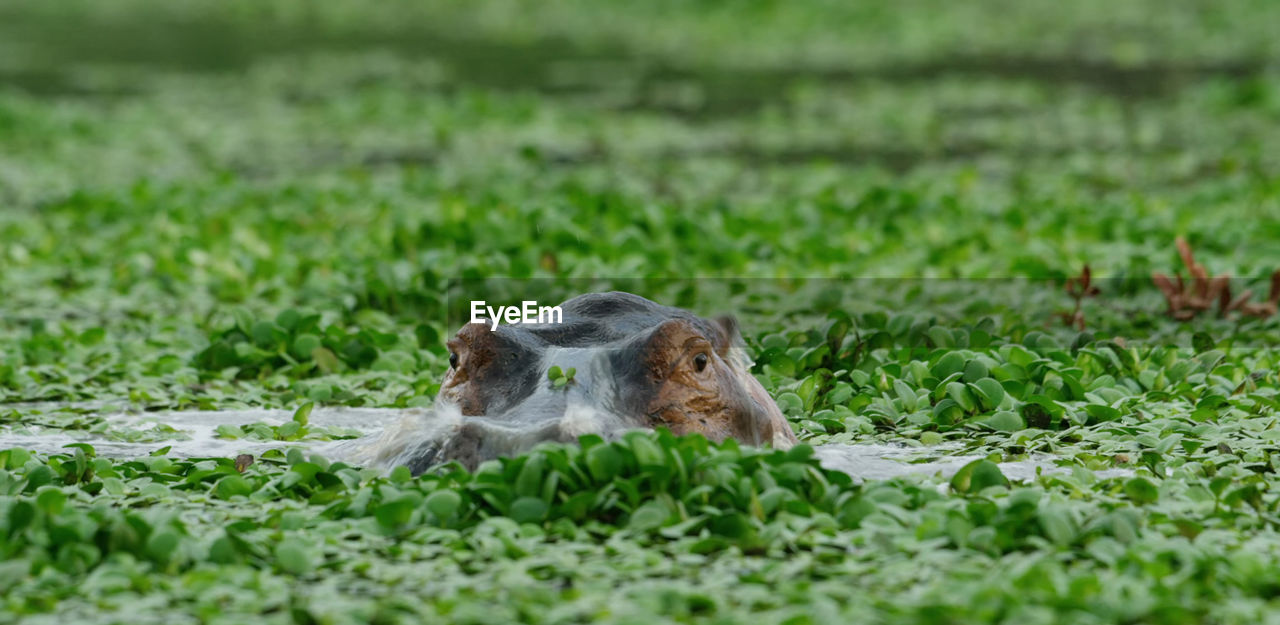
[(639, 365)]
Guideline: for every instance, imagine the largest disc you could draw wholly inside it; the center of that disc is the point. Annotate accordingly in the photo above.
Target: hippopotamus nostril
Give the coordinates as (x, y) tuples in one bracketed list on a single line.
[(638, 363)]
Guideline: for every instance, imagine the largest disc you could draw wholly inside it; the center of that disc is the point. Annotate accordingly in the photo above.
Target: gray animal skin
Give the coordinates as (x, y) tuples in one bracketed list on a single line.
[(638, 365)]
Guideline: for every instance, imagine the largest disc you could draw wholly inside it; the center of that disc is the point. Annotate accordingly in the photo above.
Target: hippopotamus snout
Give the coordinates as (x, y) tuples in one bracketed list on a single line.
[(637, 365)]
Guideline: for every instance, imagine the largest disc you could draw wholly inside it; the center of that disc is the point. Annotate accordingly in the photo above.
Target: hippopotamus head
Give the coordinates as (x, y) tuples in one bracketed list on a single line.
[(637, 364)]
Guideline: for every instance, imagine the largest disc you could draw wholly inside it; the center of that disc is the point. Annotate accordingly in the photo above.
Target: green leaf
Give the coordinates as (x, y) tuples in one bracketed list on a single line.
[(528, 510), (1099, 413), (941, 337), (21, 513), (604, 462), (906, 394), (959, 393), (444, 504), (14, 458), (288, 432), (782, 365), (1057, 524), (51, 501), (1202, 342), (162, 544), (38, 477), (326, 360), (244, 320), (295, 556), (400, 474), (223, 551), (651, 515), (397, 512), (304, 345), (302, 415), (230, 486), (989, 391), (1004, 421), (1141, 491), (267, 334), (975, 370), (951, 362), (229, 431), (977, 475), (529, 481)]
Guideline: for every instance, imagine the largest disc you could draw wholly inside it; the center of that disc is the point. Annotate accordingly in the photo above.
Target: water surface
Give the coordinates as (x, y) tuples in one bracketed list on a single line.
[(862, 461)]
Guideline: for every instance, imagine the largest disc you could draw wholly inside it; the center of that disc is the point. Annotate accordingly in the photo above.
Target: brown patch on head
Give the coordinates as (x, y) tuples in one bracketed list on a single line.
[(700, 385), (472, 355)]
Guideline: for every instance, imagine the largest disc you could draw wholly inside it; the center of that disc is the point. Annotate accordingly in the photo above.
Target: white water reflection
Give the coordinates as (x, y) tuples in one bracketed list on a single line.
[(862, 461)]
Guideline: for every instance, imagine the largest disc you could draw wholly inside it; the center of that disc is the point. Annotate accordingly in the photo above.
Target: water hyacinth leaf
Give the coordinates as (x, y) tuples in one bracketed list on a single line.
[(1202, 342), (906, 394), (529, 480), (38, 477), (223, 551), (14, 458), (21, 513), (397, 512), (302, 416), (267, 335), (244, 320), (839, 326), (975, 370), (1099, 413), (528, 510), (229, 431), (295, 556), (231, 486), (790, 403), (51, 500), (326, 360), (989, 391), (648, 516), (952, 362), (947, 412), (941, 337), (443, 504), (162, 544), (289, 431), (1004, 421), (977, 475), (400, 474), (960, 394), (1141, 491), (1057, 523), (783, 365)]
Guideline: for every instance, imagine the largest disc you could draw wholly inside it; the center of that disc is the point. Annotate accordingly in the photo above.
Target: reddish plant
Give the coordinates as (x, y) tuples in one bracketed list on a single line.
[(1188, 299), (1079, 287)]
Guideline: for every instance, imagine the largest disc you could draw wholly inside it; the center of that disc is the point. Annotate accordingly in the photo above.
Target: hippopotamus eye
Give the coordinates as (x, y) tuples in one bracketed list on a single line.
[(453, 360), (700, 361)]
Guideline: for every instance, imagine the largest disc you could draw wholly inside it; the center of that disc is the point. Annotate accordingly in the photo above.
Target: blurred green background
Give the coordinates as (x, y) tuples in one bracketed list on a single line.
[(167, 168)]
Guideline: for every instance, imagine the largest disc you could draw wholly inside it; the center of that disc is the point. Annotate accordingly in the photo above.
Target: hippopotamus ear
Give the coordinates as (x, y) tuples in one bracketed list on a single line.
[(728, 325)]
